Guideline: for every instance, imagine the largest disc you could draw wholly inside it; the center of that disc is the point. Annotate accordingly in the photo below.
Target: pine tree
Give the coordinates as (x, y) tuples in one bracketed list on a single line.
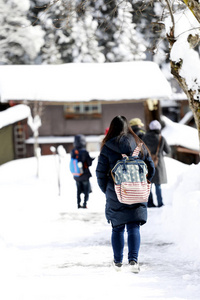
[(117, 32), (129, 45), (146, 15), (20, 43), (104, 11), (42, 12), (70, 33), (85, 46)]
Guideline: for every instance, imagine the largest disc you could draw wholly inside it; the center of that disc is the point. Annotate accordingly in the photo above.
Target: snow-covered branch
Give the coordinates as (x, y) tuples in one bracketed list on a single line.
[(183, 33)]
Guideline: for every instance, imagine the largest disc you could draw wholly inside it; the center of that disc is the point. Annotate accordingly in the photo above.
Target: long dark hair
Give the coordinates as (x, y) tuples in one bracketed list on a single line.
[(118, 127)]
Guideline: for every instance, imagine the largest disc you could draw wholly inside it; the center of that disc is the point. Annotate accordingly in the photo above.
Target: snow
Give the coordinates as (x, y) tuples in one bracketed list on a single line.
[(126, 44), (14, 114), (22, 5), (180, 135), (51, 250), (187, 117), (16, 46), (83, 82), (63, 139)]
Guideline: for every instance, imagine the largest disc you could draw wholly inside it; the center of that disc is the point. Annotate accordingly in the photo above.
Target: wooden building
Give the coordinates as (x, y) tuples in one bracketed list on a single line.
[(13, 132), (83, 98), (183, 140)]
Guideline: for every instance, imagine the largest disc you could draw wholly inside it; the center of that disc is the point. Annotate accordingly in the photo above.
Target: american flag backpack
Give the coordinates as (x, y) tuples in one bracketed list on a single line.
[(130, 179)]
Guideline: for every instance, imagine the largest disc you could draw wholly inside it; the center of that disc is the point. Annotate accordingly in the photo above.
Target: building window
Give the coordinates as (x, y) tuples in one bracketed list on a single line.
[(82, 110)]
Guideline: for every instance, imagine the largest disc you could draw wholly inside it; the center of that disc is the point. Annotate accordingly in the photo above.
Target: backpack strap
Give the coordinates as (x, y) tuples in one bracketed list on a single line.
[(158, 145), (76, 152), (135, 152)]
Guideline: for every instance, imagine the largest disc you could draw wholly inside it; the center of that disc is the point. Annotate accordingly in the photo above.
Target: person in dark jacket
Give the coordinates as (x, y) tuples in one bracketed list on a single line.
[(119, 140), (136, 125), (151, 139), (82, 182)]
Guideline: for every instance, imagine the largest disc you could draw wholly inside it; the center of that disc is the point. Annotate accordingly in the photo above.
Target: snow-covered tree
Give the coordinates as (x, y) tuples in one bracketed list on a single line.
[(127, 44), (70, 35), (183, 33), (77, 37), (20, 42), (35, 123), (41, 13), (116, 31), (85, 47)]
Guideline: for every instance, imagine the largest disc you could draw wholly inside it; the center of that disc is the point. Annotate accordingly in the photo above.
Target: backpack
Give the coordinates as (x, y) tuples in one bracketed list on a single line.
[(76, 167), (130, 178)]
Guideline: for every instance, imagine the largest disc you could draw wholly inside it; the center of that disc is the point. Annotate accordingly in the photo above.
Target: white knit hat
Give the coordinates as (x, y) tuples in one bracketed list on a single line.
[(155, 125)]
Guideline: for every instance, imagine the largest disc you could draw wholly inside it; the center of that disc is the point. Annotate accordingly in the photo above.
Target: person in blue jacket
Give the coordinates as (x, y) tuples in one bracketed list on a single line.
[(82, 182), (119, 140)]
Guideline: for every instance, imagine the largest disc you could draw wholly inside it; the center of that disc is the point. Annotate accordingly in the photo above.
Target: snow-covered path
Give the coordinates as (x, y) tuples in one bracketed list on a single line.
[(70, 256), (52, 251)]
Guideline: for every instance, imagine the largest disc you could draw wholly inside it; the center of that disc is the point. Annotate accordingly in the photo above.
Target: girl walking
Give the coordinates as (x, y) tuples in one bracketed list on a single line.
[(119, 140)]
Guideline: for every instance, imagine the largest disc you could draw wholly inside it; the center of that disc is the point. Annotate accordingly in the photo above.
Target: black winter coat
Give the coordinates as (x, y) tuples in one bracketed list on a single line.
[(151, 139), (139, 131), (83, 156), (116, 212)]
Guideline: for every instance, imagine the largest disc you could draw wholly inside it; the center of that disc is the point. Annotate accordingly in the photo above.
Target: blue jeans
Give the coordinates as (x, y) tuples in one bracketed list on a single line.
[(158, 194), (117, 239)]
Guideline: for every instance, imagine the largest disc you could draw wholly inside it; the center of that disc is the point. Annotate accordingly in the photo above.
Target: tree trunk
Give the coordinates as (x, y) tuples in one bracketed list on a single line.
[(194, 6), (194, 104)]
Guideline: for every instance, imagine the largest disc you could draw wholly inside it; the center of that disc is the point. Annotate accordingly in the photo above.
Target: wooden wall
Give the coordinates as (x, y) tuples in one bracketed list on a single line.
[(54, 122)]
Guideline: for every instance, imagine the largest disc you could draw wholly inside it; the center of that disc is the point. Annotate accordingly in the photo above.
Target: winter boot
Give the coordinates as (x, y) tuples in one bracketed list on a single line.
[(134, 266), (117, 266), (84, 205)]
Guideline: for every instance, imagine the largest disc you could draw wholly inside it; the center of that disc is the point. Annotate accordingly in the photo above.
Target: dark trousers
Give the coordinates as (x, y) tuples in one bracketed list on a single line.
[(133, 231), (83, 187), (158, 194)]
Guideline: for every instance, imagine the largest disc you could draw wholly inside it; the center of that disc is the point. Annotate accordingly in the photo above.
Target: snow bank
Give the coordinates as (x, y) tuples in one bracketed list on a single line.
[(186, 212), (14, 114), (181, 216)]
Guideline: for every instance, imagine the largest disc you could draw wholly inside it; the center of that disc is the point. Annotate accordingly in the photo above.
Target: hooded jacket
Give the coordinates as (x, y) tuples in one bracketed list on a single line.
[(116, 212), (83, 156), (139, 131)]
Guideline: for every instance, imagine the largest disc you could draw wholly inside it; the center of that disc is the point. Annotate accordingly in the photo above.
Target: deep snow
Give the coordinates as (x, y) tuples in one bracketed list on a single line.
[(51, 250)]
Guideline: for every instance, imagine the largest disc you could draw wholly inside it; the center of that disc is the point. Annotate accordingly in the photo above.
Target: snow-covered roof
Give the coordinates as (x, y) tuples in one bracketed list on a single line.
[(178, 134), (187, 118), (14, 114), (83, 82)]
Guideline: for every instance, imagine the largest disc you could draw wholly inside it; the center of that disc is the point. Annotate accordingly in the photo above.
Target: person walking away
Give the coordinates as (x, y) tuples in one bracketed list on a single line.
[(136, 125), (154, 139), (119, 140), (82, 181)]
